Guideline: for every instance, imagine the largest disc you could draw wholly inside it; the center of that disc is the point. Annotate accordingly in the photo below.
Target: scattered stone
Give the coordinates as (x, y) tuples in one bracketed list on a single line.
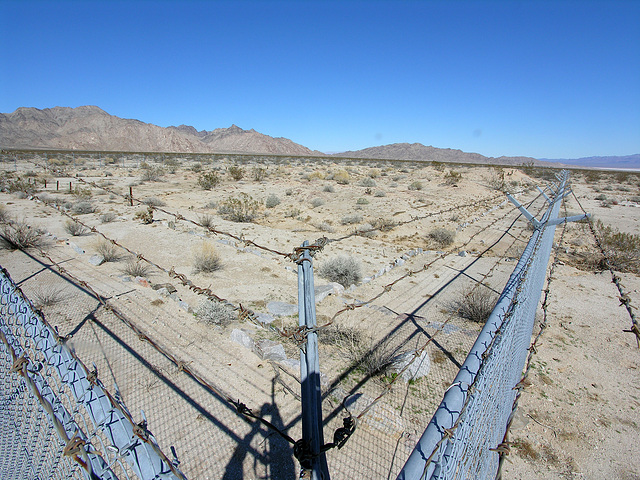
[(282, 309), (76, 248), (323, 291), (270, 350), (125, 278), (174, 297), (462, 253), (418, 369), (163, 292), (167, 286), (142, 281), (366, 279), (399, 262), (96, 260), (184, 305), (241, 337), (292, 364), (265, 318)]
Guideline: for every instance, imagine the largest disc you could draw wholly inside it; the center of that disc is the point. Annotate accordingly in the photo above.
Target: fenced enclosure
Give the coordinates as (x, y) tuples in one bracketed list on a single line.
[(185, 392)]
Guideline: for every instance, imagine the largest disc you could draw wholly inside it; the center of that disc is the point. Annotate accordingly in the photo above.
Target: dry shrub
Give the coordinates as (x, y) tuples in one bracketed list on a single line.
[(272, 201), (475, 304), (107, 217), (236, 172), (83, 207), (342, 177), (442, 237), (47, 296), (342, 269), (154, 202), (215, 313), (209, 180), (20, 236), (75, 229), (136, 268), (452, 177), (622, 249), (4, 215), (206, 221), (108, 251), (206, 258)]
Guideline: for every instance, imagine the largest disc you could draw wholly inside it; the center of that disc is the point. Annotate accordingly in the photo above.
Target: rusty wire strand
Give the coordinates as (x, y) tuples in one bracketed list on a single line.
[(615, 279), (435, 334), (89, 374)]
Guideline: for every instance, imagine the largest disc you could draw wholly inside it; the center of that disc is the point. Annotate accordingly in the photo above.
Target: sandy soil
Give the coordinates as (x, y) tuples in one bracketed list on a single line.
[(578, 419)]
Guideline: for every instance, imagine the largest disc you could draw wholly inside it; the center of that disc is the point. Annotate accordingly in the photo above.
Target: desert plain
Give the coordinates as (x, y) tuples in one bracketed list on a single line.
[(578, 417)]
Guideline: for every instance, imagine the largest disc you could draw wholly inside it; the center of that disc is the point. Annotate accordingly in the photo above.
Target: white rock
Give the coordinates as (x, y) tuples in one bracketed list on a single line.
[(241, 337), (418, 369)]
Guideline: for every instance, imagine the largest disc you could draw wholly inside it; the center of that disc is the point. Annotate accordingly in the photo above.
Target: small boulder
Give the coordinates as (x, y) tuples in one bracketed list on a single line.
[(270, 350), (241, 337), (96, 260)]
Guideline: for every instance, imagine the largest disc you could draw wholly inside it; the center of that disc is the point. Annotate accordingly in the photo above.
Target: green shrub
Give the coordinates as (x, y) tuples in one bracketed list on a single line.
[(241, 209), (236, 172), (415, 185), (362, 201), (208, 180), (367, 182), (259, 174), (622, 249), (151, 173), (342, 269), (317, 202)]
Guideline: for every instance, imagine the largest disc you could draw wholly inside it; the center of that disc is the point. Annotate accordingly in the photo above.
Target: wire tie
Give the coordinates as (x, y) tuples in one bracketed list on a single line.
[(73, 446), (17, 365)]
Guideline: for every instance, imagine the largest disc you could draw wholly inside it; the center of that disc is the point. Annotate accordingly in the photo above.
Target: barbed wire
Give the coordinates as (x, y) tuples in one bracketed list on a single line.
[(418, 353), (533, 349), (624, 298), (139, 429)]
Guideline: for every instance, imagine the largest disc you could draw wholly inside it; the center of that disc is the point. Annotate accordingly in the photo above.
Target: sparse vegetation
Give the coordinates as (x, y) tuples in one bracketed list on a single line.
[(145, 216), (75, 229), (317, 202), (215, 313), (47, 296), (342, 177), (136, 268), (83, 207), (272, 201), (342, 269), (236, 172), (367, 182), (329, 189), (623, 249), (351, 219), (208, 180), (154, 202), (206, 221), (441, 237), (362, 201), (108, 251), (475, 304), (415, 185), (107, 217), (259, 174), (453, 177), (242, 209), (20, 236), (206, 259), (151, 173)]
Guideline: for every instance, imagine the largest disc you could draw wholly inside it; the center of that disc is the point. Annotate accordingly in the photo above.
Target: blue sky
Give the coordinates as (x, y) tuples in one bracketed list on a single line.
[(556, 79)]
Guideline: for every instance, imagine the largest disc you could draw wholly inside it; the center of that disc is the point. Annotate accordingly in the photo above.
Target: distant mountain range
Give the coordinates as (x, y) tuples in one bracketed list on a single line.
[(626, 161), (91, 128)]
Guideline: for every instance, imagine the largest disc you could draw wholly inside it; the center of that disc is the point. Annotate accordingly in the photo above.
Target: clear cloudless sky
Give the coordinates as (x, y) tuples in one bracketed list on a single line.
[(547, 79)]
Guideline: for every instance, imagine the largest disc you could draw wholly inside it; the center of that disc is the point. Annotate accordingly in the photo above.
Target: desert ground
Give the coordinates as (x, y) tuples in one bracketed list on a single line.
[(449, 226)]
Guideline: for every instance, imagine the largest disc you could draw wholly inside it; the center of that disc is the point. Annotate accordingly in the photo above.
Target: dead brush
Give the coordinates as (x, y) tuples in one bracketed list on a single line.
[(108, 251), (75, 229), (621, 248), (48, 296), (475, 304), (136, 268), (206, 259), (20, 236)]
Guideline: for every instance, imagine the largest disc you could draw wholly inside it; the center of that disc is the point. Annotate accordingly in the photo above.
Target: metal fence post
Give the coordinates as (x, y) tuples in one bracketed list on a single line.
[(312, 459)]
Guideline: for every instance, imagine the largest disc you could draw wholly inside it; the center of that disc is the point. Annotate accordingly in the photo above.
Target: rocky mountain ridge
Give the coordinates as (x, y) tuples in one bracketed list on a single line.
[(91, 128)]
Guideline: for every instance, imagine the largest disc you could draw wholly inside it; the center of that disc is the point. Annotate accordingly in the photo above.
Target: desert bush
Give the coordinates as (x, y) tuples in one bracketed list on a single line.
[(342, 177), (496, 179), (622, 249), (196, 167), (208, 180), (107, 217), (374, 173), (4, 215), (593, 176), (602, 196), (475, 304), (206, 259), (342, 269), (83, 207), (367, 182), (317, 175), (215, 313), (415, 185), (329, 189), (317, 202), (108, 251), (236, 172), (145, 216), (20, 236), (362, 201), (259, 173), (47, 296), (351, 219), (154, 202), (136, 268), (442, 237), (380, 193), (384, 224), (366, 230), (272, 201), (325, 227), (371, 358), (206, 220), (293, 213), (242, 209), (75, 229), (452, 177), (151, 173)]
